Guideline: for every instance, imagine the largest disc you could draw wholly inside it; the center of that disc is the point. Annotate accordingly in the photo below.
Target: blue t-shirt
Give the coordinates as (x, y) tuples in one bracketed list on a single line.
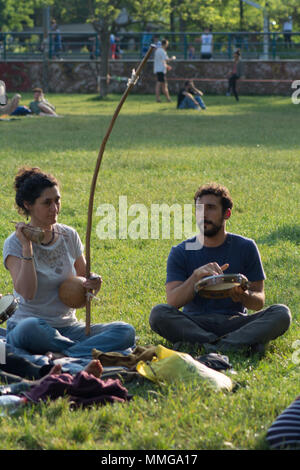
[(239, 252)]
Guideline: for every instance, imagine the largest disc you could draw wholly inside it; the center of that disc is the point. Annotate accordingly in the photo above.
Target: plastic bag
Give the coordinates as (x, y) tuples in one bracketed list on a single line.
[(9, 404), (170, 366)]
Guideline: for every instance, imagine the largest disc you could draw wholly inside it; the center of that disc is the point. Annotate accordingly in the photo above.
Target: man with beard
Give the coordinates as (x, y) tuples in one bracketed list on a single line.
[(219, 325)]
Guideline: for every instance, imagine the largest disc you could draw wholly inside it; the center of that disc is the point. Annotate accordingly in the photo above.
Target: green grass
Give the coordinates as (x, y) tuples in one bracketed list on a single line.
[(157, 154)]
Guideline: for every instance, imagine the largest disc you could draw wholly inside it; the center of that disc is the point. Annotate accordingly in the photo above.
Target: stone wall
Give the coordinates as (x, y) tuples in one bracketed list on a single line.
[(261, 77)]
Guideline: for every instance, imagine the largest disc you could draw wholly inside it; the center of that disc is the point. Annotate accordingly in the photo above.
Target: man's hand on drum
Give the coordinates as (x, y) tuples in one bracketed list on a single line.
[(94, 283), (237, 294), (210, 269)]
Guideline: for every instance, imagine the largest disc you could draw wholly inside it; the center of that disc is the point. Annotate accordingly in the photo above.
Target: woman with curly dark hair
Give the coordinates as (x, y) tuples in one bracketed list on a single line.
[(42, 321)]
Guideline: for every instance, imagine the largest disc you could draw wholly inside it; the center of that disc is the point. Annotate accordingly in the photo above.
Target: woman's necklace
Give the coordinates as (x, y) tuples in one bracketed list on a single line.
[(51, 240)]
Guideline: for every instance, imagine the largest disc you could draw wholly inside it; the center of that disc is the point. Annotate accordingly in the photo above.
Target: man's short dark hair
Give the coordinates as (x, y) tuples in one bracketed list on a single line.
[(216, 190)]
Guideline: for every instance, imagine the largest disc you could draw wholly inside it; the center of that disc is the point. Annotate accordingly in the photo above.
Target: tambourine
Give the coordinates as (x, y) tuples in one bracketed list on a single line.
[(8, 306), (218, 287)]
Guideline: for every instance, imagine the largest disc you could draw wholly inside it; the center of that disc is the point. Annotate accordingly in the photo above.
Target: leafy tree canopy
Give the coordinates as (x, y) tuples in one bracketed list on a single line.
[(192, 15), (17, 14)]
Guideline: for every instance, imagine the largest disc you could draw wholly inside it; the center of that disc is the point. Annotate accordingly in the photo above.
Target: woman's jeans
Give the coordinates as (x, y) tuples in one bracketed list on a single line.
[(38, 337)]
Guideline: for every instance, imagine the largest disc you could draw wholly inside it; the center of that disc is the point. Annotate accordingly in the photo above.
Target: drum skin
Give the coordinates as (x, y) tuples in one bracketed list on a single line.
[(219, 286), (8, 306)]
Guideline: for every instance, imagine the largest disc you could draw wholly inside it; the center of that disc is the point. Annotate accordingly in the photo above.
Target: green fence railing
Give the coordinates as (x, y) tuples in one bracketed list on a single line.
[(127, 46)]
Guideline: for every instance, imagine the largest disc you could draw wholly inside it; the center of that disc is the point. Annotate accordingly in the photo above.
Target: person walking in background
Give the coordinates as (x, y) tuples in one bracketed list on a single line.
[(206, 44), (235, 74), (56, 38), (146, 40), (287, 31), (161, 66)]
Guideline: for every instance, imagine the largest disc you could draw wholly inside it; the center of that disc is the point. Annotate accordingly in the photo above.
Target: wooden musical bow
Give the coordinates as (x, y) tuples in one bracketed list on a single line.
[(130, 84)]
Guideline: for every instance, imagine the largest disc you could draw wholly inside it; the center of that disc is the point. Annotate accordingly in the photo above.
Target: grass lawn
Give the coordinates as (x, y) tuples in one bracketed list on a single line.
[(157, 155)]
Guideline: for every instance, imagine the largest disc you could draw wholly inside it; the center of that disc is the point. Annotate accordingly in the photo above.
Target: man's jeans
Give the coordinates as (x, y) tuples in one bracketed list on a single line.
[(235, 332)]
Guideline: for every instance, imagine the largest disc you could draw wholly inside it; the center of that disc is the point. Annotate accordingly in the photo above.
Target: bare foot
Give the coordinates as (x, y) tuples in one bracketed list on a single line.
[(95, 368), (56, 370)]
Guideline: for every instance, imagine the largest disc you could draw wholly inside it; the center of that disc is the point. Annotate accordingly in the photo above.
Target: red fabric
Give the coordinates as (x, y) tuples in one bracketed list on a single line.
[(83, 389)]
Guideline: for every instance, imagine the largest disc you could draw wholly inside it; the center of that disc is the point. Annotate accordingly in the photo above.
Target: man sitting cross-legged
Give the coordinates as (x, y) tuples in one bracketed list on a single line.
[(219, 325)]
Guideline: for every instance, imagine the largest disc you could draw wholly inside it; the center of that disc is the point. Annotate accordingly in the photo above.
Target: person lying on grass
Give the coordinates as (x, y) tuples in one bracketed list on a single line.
[(40, 106), (217, 324)]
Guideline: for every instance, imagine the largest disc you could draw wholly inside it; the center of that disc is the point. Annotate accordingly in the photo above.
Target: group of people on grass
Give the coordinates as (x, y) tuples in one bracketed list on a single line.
[(39, 106), (42, 324), (189, 97)]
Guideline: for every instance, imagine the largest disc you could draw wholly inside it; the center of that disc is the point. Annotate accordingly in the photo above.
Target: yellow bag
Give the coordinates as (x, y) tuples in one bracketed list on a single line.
[(170, 366)]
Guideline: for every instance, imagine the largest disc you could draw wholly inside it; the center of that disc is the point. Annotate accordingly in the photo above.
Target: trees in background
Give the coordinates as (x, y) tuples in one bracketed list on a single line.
[(171, 15), (16, 14), (106, 18), (175, 15)]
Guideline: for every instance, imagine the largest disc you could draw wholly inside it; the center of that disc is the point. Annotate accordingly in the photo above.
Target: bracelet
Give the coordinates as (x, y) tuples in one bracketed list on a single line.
[(27, 258)]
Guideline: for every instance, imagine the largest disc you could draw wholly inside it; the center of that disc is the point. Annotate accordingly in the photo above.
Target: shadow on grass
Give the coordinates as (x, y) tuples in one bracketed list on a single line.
[(155, 131), (250, 123), (289, 232)]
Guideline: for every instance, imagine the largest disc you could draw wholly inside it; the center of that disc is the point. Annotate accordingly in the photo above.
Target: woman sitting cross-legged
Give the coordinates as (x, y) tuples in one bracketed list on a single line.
[(42, 323)]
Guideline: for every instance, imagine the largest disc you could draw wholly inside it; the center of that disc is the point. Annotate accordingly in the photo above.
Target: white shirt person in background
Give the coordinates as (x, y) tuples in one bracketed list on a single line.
[(206, 44), (161, 67), (287, 31)]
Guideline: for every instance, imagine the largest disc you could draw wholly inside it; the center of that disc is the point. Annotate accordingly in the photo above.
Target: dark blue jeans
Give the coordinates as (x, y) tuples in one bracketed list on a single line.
[(36, 336)]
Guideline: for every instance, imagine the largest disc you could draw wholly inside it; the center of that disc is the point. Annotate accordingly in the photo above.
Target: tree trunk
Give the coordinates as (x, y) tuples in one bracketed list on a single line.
[(241, 15), (102, 79), (172, 27)]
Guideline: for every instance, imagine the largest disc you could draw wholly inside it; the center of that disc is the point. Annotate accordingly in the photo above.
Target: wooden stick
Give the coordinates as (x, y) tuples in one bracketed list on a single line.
[(36, 229), (131, 83)]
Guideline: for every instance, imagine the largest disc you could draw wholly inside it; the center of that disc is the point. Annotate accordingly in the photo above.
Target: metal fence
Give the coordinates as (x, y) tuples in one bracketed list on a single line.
[(132, 46)]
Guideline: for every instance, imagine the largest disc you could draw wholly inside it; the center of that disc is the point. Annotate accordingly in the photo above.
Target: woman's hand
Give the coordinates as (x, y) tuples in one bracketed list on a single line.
[(20, 234), (94, 283)]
